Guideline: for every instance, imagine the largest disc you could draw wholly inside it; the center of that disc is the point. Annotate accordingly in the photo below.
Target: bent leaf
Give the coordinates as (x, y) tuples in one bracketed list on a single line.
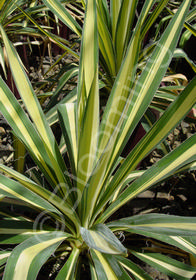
[(171, 267), (102, 239), (27, 258), (166, 224)]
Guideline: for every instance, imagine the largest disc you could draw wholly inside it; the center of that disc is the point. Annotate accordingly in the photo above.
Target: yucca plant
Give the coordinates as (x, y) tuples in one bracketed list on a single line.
[(65, 210)]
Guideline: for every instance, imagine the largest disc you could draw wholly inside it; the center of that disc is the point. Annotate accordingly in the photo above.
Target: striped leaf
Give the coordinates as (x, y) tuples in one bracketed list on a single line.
[(119, 93), (60, 11), (56, 202), (107, 267), (91, 192), (26, 132), (106, 45), (133, 269), (184, 154), (88, 98), (67, 115), (14, 189), (123, 83), (153, 16), (114, 11), (102, 239), (4, 255), (61, 83), (171, 267), (187, 243), (52, 114), (87, 146), (88, 60), (27, 258), (166, 224), (93, 272), (68, 271), (16, 231), (123, 29)]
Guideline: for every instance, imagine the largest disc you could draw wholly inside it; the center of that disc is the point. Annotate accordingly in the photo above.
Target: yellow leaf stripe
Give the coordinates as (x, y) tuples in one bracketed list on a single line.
[(188, 226), (185, 243), (107, 268), (16, 119), (5, 188), (26, 257), (170, 267), (5, 255), (132, 271), (63, 15)]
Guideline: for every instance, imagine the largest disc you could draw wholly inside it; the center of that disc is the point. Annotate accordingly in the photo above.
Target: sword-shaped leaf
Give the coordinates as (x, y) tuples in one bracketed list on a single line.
[(88, 97), (26, 132), (186, 243), (4, 255), (105, 42), (166, 224), (27, 258), (171, 267), (107, 267), (16, 231), (135, 270), (102, 239), (67, 272), (123, 29), (14, 189), (67, 117), (58, 204), (59, 10)]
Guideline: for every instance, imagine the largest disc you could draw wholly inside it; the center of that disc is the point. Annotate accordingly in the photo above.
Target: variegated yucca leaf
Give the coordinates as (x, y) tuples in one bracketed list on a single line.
[(16, 231), (107, 267), (69, 270), (151, 76), (88, 98), (166, 224), (133, 269), (30, 255), (102, 239), (60, 11), (67, 115), (31, 189), (168, 266)]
